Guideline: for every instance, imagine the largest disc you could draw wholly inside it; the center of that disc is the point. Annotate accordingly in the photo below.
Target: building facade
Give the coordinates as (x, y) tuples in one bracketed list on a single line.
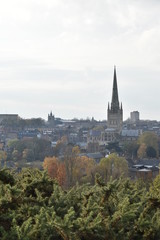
[(134, 116)]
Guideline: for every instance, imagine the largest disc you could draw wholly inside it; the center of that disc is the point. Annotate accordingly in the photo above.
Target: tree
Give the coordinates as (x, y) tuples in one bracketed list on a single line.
[(56, 169), (60, 146), (16, 144), (151, 152), (150, 140), (3, 156), (27, 155), (34, 206), (114, 147), (142, 151), (16, 155), (83, 169), (22, 123), (130, 149), (113, 166), (30, 149), (70, 155)]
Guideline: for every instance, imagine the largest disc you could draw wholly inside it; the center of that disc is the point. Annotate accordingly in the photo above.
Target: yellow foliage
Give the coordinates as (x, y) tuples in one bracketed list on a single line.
[(114, 166), (142, 151), (83, 168)]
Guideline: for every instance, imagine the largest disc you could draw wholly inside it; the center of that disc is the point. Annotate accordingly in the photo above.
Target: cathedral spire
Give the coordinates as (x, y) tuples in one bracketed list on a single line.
[(115, 110), (115, 101)]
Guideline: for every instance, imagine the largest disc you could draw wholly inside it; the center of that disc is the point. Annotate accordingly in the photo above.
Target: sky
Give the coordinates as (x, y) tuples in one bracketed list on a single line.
[(59, 55)]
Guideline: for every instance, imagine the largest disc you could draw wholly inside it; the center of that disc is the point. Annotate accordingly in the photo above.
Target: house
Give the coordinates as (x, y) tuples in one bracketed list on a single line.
[(145, 172)]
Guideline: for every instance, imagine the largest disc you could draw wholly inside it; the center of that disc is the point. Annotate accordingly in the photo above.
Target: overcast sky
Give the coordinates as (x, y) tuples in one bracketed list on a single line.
[(59, 55)]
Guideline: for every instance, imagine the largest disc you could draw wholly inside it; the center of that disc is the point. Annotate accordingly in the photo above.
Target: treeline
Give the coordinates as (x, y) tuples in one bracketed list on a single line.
[(74, 168), (28, 150), (33, 206), (147, 146), (23, 123)]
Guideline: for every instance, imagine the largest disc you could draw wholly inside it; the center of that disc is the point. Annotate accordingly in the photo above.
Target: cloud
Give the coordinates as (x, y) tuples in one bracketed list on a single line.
[(61, 53)]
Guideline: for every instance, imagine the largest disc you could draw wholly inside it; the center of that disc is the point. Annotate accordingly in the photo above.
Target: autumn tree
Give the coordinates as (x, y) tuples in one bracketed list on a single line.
[(70, 155), (83, 169), (141, 153), (60, 146), (56, 169), (150, 140), (114, 166)]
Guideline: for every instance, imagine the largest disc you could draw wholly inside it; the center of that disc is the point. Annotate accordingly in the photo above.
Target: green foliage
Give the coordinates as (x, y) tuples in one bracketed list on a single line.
[(33, 206), (6, 177), (149, 139), (22, 123), (29, 149), (151, 152), (130, 149), (114, 147), (113, 166)]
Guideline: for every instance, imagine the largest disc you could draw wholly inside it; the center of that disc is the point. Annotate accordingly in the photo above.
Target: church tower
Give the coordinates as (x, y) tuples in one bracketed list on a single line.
[(115, 111)]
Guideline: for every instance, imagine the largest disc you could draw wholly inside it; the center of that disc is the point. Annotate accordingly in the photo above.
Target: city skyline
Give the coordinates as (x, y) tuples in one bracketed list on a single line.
[(57, 55)]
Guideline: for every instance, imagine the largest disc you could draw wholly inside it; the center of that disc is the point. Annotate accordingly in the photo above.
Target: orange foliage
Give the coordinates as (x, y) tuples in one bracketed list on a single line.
[(61, 174), (56, 169)]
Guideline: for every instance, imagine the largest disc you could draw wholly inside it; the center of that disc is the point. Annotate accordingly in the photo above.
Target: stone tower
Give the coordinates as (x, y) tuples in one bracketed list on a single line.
[(51, 119), (115, 111)]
